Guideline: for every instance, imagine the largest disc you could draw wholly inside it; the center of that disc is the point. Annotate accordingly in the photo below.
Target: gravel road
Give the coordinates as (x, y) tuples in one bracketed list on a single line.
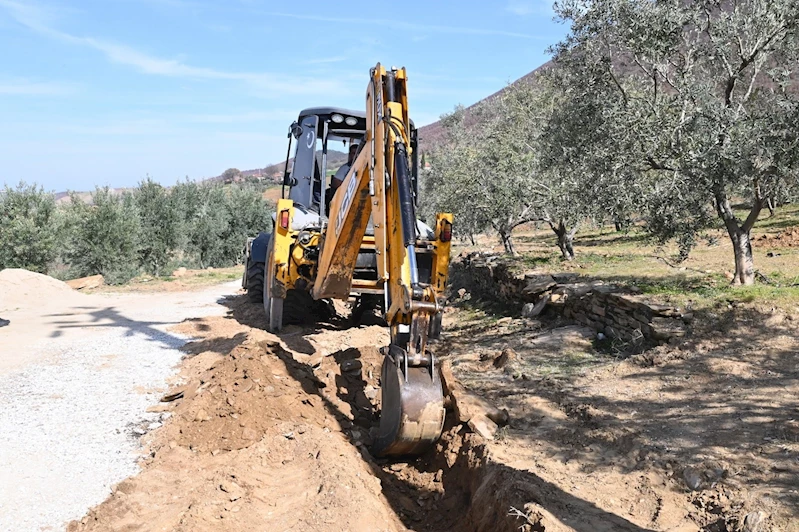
[(74, 401)]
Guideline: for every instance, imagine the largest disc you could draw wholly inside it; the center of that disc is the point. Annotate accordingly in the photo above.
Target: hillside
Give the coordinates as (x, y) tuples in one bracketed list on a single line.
[(431, 134), (335, 159), (272, 172)]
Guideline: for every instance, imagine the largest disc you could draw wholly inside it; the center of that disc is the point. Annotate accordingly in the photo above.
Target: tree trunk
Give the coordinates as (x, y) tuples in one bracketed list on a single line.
[(770, 203), (621, 223), (565, 239), (507, 241), (740, 237), (744, 262)]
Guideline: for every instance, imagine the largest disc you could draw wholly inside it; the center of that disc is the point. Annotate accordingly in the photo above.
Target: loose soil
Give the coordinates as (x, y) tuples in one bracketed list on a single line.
[(786, 238), (272, 433), (21, 288)]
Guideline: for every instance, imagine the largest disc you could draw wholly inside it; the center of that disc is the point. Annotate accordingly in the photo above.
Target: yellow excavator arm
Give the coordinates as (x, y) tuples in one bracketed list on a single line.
[(379, 187)]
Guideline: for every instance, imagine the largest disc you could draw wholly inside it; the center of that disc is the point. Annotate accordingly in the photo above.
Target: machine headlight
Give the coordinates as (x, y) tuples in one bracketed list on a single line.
[(337, 118), (304, 238), (351, 121)]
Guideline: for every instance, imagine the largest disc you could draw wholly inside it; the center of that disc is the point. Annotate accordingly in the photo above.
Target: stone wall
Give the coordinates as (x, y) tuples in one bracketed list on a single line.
[(618, 312)]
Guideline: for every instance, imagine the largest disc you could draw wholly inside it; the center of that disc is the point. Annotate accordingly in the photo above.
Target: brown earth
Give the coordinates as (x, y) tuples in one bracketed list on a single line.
[(718, 413), (787, 238), (272, 433), (22, 288)]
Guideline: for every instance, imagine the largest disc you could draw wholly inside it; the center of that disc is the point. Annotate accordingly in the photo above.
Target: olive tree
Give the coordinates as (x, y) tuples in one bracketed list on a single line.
[(160, 224), (491, 171), (29, 228), (561, 195), (103, 237), (699, 101), (248, 214), (231, 175), (450, 182), (510, 190)]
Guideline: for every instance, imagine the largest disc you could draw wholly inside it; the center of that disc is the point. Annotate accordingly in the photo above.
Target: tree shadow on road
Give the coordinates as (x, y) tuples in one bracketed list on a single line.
[(112, 318)]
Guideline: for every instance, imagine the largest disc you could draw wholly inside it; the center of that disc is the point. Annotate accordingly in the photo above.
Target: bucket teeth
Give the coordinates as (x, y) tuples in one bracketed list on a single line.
[(412, 416)]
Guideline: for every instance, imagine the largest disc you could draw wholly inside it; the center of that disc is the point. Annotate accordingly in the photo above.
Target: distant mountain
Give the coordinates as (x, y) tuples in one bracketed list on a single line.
[(86, 197), (275, 171)]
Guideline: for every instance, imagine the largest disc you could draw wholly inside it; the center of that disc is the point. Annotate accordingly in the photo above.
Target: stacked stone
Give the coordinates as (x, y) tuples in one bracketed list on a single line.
[(486, 276), (617, 313)]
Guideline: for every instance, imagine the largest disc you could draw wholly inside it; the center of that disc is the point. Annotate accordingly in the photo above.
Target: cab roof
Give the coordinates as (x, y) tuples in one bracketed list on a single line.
[(323, 111), (328, 111)]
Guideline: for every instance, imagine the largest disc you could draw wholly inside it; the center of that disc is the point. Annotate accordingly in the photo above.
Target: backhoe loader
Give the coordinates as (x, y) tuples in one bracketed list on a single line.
[(365, 243)]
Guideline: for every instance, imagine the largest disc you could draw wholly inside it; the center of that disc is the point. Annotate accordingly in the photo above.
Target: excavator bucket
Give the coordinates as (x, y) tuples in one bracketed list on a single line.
[(412, 416)]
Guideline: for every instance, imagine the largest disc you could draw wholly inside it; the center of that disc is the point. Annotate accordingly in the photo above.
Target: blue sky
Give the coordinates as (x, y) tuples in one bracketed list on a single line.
[(106, 92)]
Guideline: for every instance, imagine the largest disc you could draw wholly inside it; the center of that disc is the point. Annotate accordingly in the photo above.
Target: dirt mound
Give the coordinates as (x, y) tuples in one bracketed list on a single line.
[(273, 434), (787, 238), (247, 448), (24, 289)]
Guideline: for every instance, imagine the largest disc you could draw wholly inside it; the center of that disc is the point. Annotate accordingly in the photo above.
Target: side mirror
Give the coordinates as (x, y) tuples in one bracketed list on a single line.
[(296, 130)]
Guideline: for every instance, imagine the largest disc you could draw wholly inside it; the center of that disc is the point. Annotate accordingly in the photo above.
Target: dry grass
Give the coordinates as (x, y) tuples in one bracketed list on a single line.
[(194, 279), (273, 193), (631, 258)]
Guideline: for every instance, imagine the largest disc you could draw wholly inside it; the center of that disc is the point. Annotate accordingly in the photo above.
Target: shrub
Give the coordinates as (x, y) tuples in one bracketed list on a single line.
[(29, 228)]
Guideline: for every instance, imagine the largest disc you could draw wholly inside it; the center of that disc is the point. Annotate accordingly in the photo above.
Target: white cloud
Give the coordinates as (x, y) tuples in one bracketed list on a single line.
[(30, 15), (39, 20)]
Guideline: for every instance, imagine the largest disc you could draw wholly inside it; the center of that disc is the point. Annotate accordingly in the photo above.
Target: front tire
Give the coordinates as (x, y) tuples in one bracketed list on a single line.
[(273, 306), (255, 281)]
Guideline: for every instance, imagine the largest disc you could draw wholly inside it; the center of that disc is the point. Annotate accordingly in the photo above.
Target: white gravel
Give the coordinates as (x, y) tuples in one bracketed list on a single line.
[(70, 426)]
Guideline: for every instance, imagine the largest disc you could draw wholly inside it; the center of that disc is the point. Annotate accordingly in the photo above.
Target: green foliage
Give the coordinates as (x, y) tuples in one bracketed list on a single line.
[(208, 227), (29, 228), (151, 228), (104, 237), (160, 221), (695, 103), (451, 183), (230, 175), (249, 214), (217, 220), (491, 171)]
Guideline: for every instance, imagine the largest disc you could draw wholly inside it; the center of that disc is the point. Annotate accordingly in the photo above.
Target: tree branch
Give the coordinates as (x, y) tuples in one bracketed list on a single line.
[(719, 48), (613, 76), (655, 165), (757, 206)]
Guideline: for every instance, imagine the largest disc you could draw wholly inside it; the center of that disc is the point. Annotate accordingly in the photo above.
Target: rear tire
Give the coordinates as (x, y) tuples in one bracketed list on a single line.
[(273, 306), (297, 308), (255, 281)]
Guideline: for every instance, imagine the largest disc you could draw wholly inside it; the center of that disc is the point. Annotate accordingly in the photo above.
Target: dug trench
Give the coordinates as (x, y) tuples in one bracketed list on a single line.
[(272, 433)]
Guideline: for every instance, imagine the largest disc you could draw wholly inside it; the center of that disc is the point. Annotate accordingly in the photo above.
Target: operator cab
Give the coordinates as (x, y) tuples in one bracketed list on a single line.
[(316, 131)]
